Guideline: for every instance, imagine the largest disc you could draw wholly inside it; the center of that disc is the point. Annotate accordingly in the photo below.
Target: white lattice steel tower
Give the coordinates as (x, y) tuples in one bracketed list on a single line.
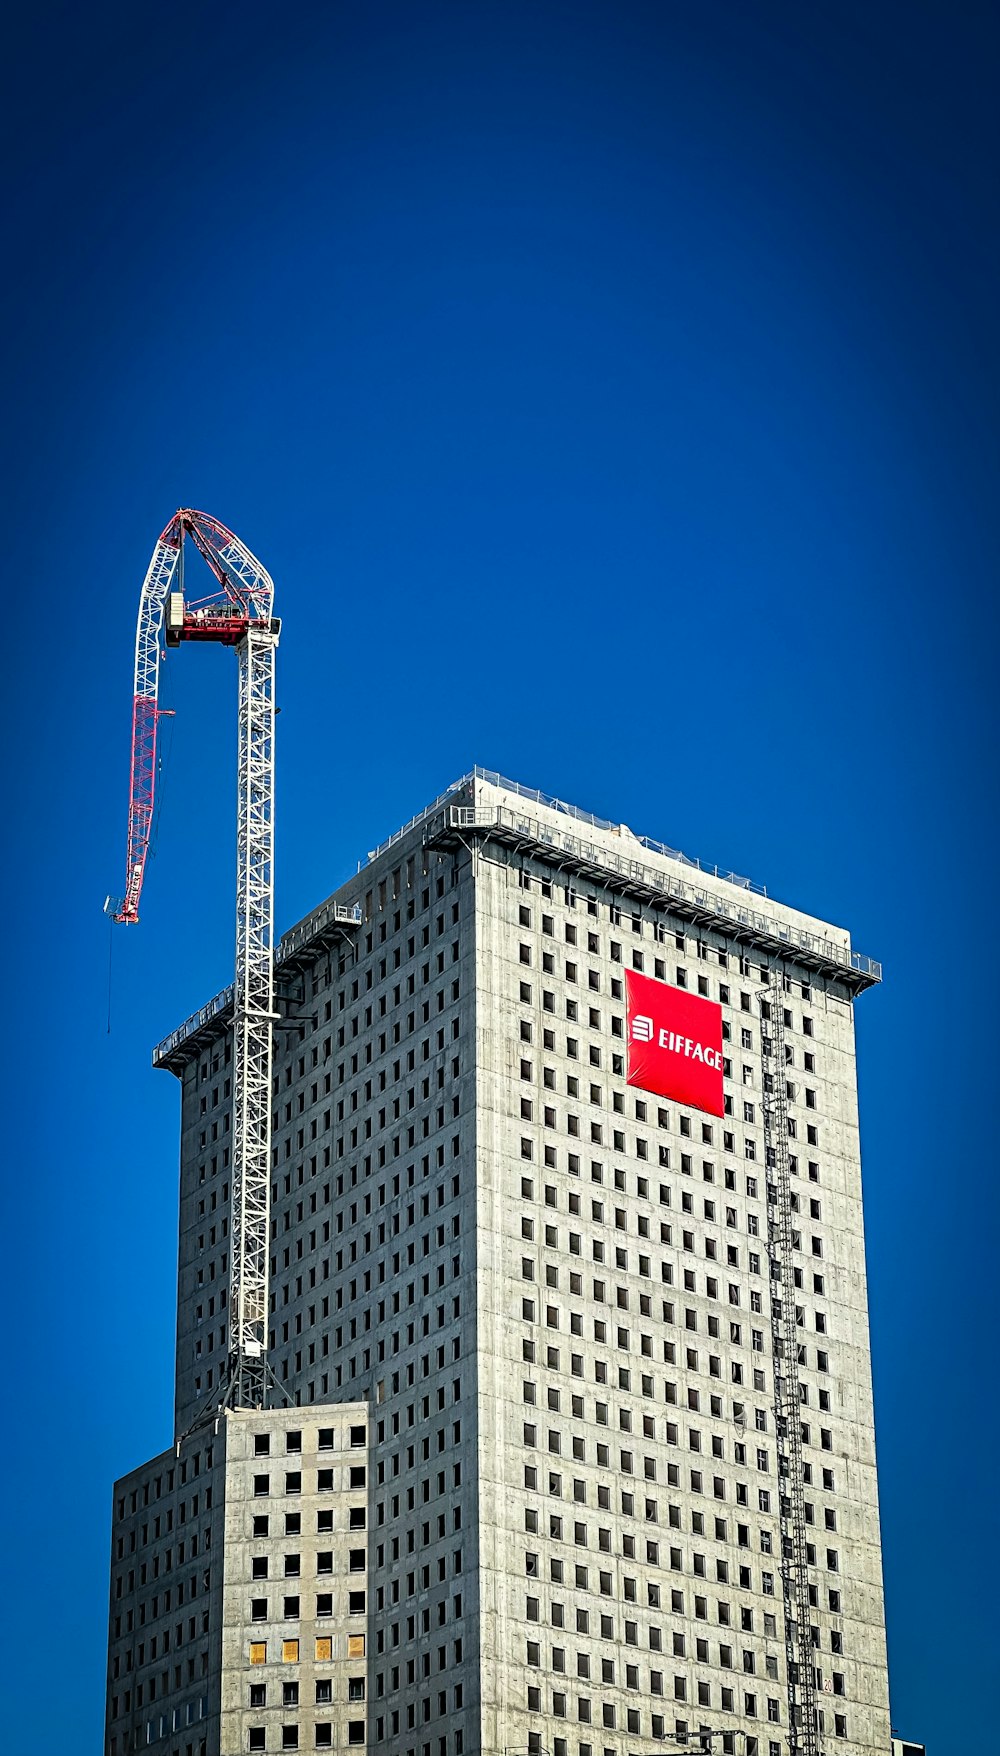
[(236, 613)]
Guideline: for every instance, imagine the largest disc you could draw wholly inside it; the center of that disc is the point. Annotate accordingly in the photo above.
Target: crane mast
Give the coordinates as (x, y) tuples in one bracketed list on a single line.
[(253, 1016), (236, 613)]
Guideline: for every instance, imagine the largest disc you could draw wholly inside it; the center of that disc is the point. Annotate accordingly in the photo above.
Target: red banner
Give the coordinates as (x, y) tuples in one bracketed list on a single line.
[(674, 1043)]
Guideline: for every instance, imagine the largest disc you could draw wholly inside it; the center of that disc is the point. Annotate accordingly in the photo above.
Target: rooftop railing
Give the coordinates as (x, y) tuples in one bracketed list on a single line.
[(514, 824), (196, 1022), (535, 796), (592, 853), (329, 914)]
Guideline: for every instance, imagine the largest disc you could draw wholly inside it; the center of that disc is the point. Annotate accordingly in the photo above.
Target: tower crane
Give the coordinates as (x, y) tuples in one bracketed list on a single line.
[(235, 612)]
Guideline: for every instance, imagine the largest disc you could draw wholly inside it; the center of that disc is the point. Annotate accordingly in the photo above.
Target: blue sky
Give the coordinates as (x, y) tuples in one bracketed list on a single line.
[(612, 392)]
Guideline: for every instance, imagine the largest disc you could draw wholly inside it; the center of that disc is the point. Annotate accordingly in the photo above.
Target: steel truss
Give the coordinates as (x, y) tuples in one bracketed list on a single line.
[(253, 1020), (238, 613), (803, 1738), (145, 715)]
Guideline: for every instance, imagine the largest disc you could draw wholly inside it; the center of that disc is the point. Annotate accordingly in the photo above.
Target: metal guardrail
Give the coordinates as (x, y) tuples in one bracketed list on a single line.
[(505, 817), (422, 816), (534, 796), (196, 1022), (512, 823), (330, 914), (537, 797)]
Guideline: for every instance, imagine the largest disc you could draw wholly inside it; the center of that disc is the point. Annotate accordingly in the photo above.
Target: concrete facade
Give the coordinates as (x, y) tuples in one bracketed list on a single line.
[(549, 1291), (239, 1588)]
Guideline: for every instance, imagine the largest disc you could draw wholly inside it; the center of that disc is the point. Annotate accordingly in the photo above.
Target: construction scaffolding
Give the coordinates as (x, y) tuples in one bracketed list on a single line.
[(800, 1682)]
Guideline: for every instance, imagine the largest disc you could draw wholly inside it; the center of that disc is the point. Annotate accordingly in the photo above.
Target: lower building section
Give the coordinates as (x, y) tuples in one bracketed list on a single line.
[(239, 1594)]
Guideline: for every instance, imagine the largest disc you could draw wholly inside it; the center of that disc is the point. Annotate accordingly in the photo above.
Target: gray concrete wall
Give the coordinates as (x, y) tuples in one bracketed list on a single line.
[(295, 1590), (422, 1155), (239, 1590), (165, 1616), (652, 1225)]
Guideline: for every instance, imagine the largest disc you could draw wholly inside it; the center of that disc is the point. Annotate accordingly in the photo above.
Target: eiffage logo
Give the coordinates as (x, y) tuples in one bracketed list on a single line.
[(674, 1043)]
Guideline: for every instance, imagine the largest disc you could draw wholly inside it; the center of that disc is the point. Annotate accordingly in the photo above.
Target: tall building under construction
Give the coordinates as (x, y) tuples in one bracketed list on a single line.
[(572, 1452)]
